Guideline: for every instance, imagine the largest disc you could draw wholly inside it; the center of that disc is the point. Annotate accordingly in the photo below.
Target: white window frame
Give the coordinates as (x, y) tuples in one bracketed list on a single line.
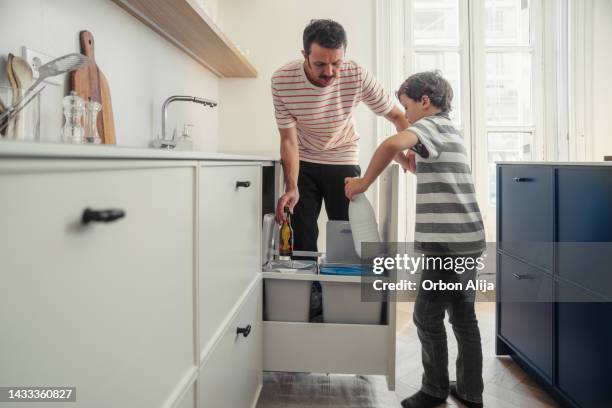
[(580, 80), (462, 48), (472, 49), (481, 128)]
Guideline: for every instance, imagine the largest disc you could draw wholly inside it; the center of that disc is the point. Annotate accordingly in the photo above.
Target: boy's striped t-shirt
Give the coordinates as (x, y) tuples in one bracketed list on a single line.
[(323, 116), (448, 219)]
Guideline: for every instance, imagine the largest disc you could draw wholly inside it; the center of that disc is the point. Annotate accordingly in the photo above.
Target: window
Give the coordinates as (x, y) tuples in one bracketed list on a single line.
[(436, 23), (437, 45), (489, 51)]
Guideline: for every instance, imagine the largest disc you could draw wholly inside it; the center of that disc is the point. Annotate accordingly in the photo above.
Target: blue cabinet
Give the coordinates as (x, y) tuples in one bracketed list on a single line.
[(526, 311), (525, 221), (584, 346), (584, 208), (554, 277)]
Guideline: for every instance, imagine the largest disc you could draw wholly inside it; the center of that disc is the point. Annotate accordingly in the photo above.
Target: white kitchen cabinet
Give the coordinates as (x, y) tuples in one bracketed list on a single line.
[(105, 307), (229, 242), (231, 374), (144, 311)]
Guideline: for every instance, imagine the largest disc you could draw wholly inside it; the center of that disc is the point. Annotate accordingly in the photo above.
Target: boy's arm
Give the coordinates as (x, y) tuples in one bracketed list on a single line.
[(398, 118), (407, 161), (381, 159)]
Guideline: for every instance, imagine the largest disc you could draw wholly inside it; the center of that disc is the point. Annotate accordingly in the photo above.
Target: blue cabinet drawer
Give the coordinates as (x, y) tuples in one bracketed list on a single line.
[(584, 351), (525, 213), (525, 311), (584, 227)]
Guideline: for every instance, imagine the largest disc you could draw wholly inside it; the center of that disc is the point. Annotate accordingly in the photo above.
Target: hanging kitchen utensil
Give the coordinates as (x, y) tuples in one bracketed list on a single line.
[(10, 130), (56, 67), (90, 82), (22, 73), (5, 120)]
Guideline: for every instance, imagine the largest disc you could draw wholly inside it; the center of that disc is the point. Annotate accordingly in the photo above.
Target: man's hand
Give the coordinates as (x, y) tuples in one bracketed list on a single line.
[(353, 186), (289, 199), (407, 161)]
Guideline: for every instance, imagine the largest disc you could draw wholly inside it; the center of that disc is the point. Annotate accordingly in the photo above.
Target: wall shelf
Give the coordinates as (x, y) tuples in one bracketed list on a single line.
[(187, 26)]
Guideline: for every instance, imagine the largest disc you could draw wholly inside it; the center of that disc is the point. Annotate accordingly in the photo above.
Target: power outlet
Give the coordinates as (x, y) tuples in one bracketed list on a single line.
[(36, 59)]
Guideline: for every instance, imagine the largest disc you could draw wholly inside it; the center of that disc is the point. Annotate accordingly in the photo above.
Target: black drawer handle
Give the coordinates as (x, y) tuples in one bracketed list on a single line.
[(519, 277), (521, 179), (243, 184), (111, 215), (245, 331)]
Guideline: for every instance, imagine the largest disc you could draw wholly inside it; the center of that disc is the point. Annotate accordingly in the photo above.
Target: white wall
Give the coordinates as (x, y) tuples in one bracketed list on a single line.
[(602, 84), (141, 67)]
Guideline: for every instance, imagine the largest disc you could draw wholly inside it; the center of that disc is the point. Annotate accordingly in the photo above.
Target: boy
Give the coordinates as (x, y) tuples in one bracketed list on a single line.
[(448, 224)]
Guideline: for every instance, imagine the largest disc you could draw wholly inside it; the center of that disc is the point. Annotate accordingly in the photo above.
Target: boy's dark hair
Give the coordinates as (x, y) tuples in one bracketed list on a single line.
[(326, 33), (432, 84)]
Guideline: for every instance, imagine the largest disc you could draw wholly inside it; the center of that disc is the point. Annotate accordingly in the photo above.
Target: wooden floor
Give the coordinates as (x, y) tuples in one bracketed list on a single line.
[(506, 384)]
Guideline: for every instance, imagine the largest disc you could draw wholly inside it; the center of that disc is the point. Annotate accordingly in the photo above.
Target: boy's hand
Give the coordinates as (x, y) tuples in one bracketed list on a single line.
[(353, 186), (407, 161)]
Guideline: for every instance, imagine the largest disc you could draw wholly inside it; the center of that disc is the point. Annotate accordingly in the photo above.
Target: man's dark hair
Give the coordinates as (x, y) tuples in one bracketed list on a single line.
[(430, 83), (326, 33)]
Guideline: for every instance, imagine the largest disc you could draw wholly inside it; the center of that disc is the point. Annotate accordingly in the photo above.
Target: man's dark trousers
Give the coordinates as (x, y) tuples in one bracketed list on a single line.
[(317, 184)]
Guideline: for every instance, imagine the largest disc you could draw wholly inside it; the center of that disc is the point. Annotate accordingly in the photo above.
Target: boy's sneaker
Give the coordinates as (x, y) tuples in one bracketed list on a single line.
[(469, 404), (422, 400)]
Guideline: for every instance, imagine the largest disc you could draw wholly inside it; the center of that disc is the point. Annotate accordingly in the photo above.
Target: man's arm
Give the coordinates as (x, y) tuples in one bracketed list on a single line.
[(381, 159), (290, 160), (398, 118)]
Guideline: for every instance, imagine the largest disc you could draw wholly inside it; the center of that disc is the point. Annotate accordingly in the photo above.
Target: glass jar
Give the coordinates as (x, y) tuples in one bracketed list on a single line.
[(29, 117)]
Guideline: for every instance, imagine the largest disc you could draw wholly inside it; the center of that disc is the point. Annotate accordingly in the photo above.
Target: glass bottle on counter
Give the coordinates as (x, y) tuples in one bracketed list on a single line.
[(185, 142), (285, 245), (92, 109), (74, 108)]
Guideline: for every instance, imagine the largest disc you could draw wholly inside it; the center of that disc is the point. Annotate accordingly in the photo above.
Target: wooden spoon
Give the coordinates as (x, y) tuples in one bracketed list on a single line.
[(10, 130), (23, 78)]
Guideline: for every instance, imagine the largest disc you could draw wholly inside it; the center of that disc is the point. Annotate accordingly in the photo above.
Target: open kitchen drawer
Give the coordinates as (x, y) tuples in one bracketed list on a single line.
[(367, 349)]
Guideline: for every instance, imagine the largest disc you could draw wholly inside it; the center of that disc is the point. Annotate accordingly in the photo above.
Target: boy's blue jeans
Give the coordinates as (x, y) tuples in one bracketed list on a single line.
[(429, 313)]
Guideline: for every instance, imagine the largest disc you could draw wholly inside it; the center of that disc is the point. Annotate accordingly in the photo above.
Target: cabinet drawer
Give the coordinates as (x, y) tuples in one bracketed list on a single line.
[(525, 311), (229, 240), (97, 306), (585, 227), (231, 376), (583, 348), (525, 212)]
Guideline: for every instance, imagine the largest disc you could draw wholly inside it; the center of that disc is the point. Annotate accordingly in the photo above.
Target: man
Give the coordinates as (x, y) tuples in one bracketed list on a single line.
[(314, 103)]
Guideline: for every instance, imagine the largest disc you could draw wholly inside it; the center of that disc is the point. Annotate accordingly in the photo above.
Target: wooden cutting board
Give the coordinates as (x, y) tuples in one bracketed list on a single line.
[(90, 82)]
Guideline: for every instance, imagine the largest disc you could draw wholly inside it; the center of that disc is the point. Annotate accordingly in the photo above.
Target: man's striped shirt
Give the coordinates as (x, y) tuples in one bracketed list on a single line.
[(323, 116), (448, 219)]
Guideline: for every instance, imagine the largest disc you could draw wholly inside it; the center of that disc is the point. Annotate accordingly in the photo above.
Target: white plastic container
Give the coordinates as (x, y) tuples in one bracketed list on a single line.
[(342, 304), (363, 222), (287, 300)]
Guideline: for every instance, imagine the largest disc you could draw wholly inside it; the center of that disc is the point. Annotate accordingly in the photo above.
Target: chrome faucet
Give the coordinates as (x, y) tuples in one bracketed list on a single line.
[(171, 143)]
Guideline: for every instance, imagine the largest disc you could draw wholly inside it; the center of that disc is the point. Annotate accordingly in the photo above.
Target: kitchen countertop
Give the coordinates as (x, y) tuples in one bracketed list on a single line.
[(25, 149)]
